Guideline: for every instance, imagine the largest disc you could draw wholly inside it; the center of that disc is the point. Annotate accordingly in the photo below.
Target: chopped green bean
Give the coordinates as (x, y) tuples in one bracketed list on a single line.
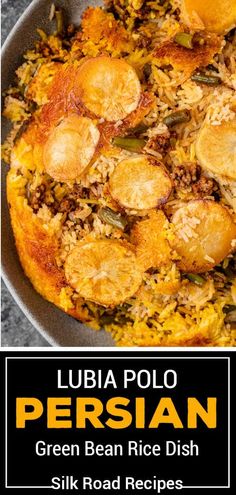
[(196, 279), (212, 67), (184, 39), (205, 79), (229, 307), (231, 317), (21, 130), (112, 218), (59, 19), (230, 274), (172, 142), (179, 117), (139, 129), (129, 143), (32, 106), (106, 320), (147, 70)]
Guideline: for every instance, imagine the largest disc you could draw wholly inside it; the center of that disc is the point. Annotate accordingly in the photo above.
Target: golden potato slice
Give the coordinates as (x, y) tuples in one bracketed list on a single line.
[(70, 147), (217, 16), (149, 237), (103, 271), (216, 148), (140, 183), (204, 234), (108, 87)]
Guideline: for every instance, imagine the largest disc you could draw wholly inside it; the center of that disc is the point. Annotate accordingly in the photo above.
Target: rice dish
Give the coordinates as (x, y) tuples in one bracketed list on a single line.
[(122, 180)]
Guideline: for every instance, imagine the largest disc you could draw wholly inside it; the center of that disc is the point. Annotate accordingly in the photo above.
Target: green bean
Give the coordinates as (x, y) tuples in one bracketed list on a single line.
[(179, 117), (229, 308), (230, 35), (112, 218), (106, 320), (138, 129), (212, 67), (59, 19), (122, 319), (32, 106), (184, 39), (129, 143), (147, 70), (230, 274), (196, 279), (205, 79), (21, 130), (172, 142), (231, 317), (22, 88)]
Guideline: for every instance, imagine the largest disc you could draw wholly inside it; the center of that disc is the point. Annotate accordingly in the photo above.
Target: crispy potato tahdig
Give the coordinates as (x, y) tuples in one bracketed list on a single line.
[(108, 87), (205, 232), (122, 187), (70, 147), (216, 149), (103, 271), (218, 16), (140, 183)]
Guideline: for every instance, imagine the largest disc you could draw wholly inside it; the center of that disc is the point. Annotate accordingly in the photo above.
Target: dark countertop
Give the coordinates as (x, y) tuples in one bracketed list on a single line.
[(16, 329)]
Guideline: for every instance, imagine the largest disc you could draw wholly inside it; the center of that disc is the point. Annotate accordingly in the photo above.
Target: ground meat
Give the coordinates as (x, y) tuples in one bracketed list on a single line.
[(44, 49), (189, 176), (66, 205), (74, 218), (177, 14), (186, 174), (159, 143), (144, 42), (79, 192), (204, 187), (36, 198)]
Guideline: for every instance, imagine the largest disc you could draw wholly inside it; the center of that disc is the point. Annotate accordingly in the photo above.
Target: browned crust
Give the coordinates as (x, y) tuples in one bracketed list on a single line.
[(36, 248), (184, 59), (98, 25), (64, 100), (40, 80), (196, 340), (148, 236)]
